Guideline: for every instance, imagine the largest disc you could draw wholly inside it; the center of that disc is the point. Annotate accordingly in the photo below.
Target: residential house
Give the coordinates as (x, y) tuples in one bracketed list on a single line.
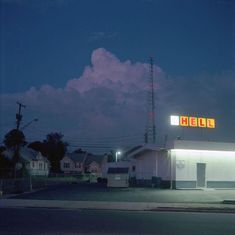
[(84, 162), (95, 164), (35, 163), (73, 163)]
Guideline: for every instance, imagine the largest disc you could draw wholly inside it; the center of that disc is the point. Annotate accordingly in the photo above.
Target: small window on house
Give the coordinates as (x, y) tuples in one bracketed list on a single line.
[(66, 165), (32, 164), (133, 168), (94, 170), (40, 166), (77, 165)]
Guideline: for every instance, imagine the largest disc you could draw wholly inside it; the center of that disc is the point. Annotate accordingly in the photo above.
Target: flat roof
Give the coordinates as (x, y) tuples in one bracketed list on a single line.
[(202, 145), (145, 148)]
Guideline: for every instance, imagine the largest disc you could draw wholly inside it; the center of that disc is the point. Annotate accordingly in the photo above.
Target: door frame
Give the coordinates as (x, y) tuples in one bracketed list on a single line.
[(200, 177)]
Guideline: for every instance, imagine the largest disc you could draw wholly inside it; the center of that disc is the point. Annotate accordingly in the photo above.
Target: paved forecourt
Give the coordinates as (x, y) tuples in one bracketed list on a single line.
[(92, 197)]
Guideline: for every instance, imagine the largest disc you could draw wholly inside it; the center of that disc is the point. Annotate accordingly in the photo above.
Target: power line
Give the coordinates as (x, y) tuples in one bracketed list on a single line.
[(101, 138)]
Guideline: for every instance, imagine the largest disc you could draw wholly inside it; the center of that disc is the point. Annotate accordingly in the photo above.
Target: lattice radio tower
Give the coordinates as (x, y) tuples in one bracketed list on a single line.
[(150, 132)]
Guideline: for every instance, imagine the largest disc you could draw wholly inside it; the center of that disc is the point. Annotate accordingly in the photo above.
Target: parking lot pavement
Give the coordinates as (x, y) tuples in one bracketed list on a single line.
[(98, 193)]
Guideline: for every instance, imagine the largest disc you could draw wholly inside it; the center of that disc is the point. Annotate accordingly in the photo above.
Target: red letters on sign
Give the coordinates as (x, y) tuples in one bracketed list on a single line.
[(183, 120), (193, 121), (202, 122)]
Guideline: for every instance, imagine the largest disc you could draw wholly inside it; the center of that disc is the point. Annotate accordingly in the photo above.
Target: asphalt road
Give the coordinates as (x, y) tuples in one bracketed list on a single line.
[(57, 221), (95, 193)]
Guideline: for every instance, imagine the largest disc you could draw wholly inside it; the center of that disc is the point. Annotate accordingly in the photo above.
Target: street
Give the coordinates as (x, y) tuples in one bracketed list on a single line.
[(58, 221)]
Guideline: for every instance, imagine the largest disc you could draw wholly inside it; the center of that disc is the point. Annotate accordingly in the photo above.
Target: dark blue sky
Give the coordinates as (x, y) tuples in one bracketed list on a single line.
[(49, 41)]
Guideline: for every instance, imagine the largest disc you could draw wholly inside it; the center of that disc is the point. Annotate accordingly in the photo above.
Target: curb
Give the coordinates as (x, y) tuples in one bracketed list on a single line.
[(125, 206), (229, 201)]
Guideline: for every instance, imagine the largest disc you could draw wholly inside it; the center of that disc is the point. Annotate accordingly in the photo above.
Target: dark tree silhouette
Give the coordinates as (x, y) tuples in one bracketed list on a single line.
[(6, 165), (111, 156), (55, 149), (2, 149), (14, 138), (38, 146)]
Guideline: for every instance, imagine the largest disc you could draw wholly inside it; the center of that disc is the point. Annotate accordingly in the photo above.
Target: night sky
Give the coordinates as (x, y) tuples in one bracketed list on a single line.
[(81, 68)]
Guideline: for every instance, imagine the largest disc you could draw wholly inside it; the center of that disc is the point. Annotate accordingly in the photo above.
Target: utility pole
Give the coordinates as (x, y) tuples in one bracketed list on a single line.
[(19, 116), (18, 121)]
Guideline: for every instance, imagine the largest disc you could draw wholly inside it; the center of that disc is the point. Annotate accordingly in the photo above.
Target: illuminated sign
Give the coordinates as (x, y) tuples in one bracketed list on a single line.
[(187, 121)]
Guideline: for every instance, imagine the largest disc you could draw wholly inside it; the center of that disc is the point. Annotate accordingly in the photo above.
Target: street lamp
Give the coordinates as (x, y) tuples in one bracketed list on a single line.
[(29, 123), (118, 153)]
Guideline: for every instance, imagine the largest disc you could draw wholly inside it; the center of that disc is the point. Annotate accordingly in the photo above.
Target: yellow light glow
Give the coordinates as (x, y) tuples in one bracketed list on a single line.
[(187, 121), (210, 123), (183, 120)]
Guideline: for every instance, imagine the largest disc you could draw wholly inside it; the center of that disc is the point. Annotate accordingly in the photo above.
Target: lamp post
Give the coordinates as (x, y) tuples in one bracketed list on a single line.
[(29, 123), (24, 169), (118, 153)]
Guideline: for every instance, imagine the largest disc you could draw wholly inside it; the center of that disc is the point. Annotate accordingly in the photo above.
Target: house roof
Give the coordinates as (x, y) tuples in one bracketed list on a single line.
[(77, 157), (202, 145), (94, 158), (145, 148), (26, 154), (133, 149), (118, 170), (183, 144)]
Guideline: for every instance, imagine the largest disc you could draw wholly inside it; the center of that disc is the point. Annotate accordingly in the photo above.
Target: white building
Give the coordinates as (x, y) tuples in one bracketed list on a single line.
[(187, 164), (149, 162), (202, 164), (35, 163)]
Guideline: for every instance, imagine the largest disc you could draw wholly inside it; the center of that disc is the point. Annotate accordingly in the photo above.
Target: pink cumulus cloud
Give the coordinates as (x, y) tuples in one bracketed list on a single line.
[(108, 71), (109, 99)]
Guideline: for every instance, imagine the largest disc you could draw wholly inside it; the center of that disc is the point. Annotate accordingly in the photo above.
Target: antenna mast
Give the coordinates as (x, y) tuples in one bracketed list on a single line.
[(150, 133)]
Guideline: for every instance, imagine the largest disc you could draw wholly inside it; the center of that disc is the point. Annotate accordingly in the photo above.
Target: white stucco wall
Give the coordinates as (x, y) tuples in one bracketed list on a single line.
[(146, 165), (220, 165), (163, 165)]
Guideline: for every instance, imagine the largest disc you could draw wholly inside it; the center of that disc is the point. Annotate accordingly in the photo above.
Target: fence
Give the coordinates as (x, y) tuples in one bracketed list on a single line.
[(19, 185), (12, 186)]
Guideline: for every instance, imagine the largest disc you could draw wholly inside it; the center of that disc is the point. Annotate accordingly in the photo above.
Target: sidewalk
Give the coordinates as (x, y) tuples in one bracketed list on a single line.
[(130, 206), (133, 199)]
